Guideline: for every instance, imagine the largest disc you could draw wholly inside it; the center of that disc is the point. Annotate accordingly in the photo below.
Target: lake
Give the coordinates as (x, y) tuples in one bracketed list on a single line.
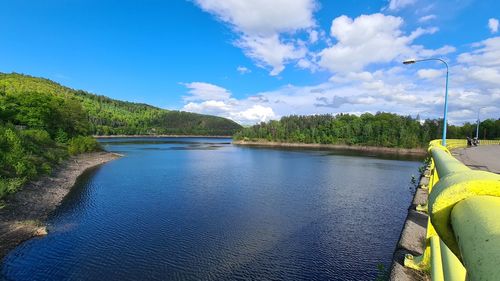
[(203, 209)]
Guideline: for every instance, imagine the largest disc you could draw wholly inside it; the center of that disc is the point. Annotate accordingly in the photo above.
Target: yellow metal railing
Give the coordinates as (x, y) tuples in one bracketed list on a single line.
[(461, 143), (463, 230)]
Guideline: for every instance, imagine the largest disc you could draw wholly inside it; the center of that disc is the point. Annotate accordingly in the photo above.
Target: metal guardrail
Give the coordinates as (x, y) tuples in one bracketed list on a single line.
[(461, 143), (463, 230)]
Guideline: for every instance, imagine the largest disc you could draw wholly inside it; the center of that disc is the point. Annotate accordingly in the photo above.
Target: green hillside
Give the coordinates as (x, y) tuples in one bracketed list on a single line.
[(42, 123), (109, 117)]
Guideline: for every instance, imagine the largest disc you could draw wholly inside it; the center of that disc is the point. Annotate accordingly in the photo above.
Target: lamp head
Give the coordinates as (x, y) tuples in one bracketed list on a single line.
[(409, 61)]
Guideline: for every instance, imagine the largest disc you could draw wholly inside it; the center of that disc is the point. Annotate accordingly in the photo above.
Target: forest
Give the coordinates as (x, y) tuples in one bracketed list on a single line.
[(42, 123), (37, 132), (380, 129), (108, 116)]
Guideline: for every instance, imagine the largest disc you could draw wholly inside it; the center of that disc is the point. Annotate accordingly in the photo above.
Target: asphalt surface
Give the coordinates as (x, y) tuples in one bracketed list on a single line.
[(486, 158)]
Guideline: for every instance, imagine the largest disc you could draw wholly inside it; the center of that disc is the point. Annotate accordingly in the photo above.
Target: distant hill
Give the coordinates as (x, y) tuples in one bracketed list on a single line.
[(108, 116)]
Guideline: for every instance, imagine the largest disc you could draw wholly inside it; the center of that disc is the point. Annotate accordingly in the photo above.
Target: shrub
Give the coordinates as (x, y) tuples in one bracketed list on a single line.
[(82, 144), (39, 137), (61, 136), (8, 186)]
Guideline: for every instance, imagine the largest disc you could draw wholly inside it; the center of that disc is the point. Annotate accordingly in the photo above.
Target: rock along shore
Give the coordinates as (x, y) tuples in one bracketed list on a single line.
[(377, 149), (26, 211)]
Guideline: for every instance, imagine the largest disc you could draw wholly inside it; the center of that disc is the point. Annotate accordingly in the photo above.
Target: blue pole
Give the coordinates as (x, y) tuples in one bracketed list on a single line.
[(477, 127), (445, 107), (445, 115)]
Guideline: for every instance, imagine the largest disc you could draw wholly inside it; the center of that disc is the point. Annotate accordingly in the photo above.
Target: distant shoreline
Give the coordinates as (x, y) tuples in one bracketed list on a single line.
[(377, 149), (26, 211), (160, 136)]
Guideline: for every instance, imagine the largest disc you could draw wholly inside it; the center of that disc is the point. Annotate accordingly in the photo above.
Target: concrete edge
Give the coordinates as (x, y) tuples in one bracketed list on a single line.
[(412, 238)]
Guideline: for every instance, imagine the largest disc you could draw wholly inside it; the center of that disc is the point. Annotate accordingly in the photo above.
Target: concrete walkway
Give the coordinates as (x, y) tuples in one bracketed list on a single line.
[(486, 157)]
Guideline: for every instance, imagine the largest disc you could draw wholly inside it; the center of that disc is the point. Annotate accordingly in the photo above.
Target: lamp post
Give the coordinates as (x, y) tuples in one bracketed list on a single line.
[(411, 61), (477, 127)]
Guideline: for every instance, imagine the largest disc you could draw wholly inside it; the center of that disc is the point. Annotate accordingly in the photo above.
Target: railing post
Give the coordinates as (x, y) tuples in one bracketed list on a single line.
[(453, 270), (436, 265)]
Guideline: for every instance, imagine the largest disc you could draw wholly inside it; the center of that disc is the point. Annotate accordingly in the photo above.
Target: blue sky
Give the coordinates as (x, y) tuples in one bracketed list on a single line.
[(255, 60)]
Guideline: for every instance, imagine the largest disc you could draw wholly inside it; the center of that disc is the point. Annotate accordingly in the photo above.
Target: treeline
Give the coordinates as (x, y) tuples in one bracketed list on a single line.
[(381, 129), (107, 116)]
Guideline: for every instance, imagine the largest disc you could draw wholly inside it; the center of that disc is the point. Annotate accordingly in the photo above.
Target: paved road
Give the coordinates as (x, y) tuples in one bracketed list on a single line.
[(486, 158)]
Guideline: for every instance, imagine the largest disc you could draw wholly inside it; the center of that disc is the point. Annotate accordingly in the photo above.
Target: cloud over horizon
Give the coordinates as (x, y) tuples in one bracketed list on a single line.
[(362, 57), (406, 90)]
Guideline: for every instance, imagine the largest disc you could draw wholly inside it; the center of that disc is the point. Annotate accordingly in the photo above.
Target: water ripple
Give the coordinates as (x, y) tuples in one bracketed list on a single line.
[(205, 210)]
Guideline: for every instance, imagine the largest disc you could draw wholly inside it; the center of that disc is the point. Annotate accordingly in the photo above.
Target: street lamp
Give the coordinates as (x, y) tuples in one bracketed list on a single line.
[(477, 128), (411, 61)]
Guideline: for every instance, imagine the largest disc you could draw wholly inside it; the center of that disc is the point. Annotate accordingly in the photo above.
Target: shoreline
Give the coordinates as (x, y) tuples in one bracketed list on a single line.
[(377, 149), (26, 211), (160, 136)]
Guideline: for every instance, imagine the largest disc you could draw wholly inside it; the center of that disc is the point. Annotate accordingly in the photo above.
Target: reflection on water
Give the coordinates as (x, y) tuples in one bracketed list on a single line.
[(202, 209)]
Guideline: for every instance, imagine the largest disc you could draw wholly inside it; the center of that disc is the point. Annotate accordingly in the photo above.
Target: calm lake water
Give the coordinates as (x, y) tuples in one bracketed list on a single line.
[(203, 209)]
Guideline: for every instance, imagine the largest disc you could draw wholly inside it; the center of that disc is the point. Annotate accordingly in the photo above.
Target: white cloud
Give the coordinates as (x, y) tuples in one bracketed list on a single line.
[(395, 5), (486, 53), (270, 50), (493, 25), (395, 89), (243, 70), (304, 63), (369, 39), (425, 53), (200, 91), (313, 36), (207, 107), (487, 75), (263, 25), (353, 76), (262, 17), (211, 99), (242, 111), (429, 73), (257, 113), (427, 18)]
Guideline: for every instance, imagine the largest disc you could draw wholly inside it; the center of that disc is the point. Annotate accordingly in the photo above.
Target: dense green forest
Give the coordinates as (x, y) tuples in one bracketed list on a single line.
[(38, 130), (111, 117), (42, 123), (381, 129)]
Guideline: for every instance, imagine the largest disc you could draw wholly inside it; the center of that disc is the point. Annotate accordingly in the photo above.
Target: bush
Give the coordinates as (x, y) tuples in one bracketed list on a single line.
[(8, 186), (39, 137), (61, 136), (25, 155), (82, 144)]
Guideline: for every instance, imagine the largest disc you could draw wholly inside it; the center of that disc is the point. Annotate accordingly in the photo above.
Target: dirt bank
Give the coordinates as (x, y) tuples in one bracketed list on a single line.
[(377, 149), (26, 211)]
